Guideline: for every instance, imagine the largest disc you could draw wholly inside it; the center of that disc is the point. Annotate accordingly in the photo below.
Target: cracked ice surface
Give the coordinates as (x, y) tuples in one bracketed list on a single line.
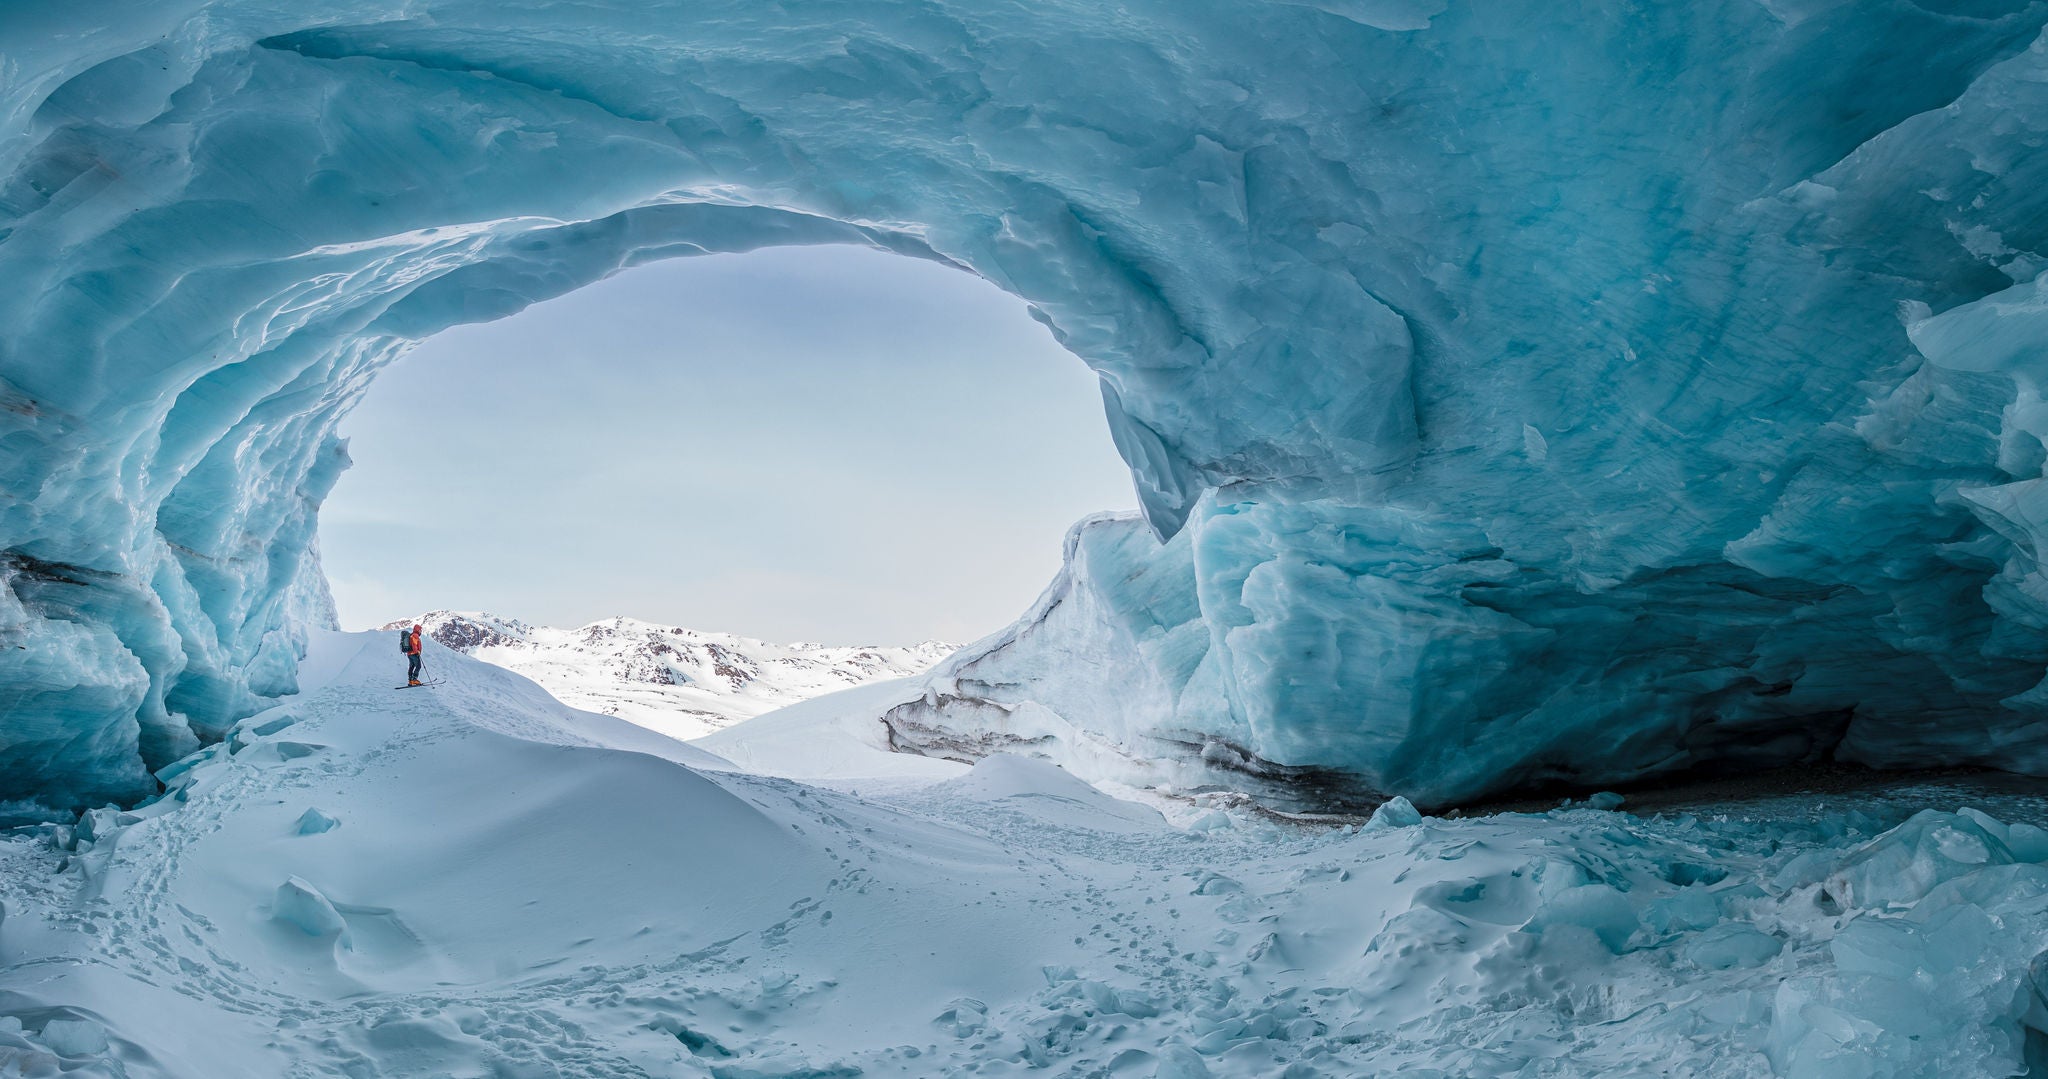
[(1578, 394)]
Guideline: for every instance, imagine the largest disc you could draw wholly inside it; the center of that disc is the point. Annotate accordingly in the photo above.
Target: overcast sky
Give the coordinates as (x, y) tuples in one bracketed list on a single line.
[(816, 443)]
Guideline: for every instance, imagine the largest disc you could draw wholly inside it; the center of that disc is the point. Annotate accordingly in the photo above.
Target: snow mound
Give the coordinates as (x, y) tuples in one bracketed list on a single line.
[(518, 888)]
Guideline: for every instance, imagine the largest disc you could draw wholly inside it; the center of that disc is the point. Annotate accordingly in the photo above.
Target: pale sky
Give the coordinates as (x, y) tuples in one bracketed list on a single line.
[(820, 443)]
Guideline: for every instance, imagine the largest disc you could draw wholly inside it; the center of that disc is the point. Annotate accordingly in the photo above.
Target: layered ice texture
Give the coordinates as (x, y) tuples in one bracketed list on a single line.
[(1573, 393)]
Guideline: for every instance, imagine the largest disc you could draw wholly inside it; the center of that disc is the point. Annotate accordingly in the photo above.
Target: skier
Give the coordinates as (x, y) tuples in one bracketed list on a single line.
[(409, 643)]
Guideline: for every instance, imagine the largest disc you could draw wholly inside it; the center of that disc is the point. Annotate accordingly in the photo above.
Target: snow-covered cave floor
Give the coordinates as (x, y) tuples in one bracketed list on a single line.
[(473, 880)]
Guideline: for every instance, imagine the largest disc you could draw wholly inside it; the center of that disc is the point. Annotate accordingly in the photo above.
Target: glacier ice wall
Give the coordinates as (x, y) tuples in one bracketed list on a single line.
[(1568, 394)]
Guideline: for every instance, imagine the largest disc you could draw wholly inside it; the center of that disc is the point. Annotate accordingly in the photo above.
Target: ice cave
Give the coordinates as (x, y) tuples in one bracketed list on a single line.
[(1519, 398)]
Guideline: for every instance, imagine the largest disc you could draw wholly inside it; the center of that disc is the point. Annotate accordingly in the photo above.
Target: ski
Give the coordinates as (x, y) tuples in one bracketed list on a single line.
[(422, 685)]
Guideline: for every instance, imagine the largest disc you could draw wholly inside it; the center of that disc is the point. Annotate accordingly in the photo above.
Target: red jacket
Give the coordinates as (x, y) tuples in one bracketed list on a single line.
[(412, 646)]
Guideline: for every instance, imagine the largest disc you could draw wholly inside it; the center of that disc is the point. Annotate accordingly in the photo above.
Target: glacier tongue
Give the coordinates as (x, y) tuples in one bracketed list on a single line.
[(1577, 394)]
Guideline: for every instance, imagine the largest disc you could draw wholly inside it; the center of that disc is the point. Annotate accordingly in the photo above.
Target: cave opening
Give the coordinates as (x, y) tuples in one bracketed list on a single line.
[(817, 443)]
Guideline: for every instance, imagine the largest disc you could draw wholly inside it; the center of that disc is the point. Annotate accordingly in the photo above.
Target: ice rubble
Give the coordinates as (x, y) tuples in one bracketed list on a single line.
[(515, 888), (1582, 394)]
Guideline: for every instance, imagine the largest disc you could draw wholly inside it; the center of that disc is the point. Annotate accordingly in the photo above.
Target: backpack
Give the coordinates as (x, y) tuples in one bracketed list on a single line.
[(405, 642)]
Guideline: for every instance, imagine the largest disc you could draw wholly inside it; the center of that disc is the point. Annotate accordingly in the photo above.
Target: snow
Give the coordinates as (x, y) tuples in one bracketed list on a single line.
[(1578, 396), (516, 888), (682, 682), (1046, 791), (834, 740)]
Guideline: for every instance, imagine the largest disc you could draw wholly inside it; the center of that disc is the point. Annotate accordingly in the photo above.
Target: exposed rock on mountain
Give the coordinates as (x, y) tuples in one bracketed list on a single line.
[(680, 681)]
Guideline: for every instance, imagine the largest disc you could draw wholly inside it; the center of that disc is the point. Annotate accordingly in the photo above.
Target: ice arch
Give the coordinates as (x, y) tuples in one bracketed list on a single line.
[(1547, 372)]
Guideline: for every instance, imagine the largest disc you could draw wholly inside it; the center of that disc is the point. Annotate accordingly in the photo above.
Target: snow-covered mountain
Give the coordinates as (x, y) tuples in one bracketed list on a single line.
[(682, 682)]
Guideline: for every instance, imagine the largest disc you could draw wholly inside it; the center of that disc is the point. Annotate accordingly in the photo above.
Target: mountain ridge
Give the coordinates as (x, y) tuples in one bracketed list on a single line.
[(680, 681)]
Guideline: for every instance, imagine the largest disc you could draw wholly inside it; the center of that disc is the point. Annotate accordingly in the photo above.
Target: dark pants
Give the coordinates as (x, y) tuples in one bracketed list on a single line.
[(412, 670)]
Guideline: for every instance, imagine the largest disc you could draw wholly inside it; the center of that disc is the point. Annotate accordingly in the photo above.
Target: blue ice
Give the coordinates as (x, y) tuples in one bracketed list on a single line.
[(1515, 396)]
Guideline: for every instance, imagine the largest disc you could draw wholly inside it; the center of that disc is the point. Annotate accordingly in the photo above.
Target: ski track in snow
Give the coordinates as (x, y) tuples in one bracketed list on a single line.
[(526, 892)]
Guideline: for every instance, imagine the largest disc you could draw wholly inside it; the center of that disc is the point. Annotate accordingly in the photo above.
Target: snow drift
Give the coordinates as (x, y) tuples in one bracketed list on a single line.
[(473, 880), (1569, 394)]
